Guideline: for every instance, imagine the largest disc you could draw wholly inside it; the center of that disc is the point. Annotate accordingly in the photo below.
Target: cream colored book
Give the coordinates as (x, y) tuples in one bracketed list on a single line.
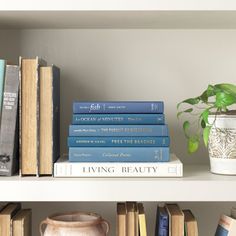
[(176, 220), (49, 109), (190, 223), (21, 223), (29, 115), (5, 218), (131, 219), (121, 219), (142, 220)]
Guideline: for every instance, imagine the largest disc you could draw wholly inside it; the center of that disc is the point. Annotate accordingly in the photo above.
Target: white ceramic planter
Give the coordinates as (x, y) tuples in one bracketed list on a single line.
[(222, 144)]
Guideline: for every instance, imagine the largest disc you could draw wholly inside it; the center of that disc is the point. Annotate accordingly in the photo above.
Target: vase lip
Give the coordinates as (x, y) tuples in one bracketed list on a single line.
[(51, 220), (229, 114)]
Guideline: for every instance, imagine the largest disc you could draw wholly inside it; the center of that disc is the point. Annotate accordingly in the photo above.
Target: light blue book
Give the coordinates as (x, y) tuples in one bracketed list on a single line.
[(118, 130), (118, 119), (118, 141), (2, 79), (119, 154)]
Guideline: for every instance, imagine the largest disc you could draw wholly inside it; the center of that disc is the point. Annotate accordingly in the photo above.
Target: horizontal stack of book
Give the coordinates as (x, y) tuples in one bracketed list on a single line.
[(227, 224), (118, 139), (15, 221)]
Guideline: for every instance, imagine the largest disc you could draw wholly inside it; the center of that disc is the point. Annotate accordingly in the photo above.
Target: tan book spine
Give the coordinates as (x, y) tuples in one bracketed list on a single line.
[(121, 219), (131, 219)]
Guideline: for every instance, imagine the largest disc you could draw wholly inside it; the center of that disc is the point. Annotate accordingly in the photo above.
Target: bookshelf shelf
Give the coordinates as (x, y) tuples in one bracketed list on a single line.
[(198, 184)]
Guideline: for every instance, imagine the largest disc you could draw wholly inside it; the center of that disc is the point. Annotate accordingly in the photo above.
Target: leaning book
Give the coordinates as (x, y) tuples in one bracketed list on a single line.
[(173, 168)]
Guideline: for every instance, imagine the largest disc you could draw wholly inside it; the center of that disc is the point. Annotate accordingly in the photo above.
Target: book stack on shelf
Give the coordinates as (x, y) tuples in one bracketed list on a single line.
[(15, 221), (29, 93), (118, 139)]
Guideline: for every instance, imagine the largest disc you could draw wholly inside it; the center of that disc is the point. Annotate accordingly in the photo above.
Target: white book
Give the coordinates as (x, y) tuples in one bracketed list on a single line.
[(64, 168)]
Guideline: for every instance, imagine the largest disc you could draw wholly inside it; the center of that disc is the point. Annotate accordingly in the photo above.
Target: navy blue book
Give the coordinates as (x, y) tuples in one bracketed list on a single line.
[(118, 141), (118, 119), (162, 222), (118, 107), (116, 154), (118, 130)]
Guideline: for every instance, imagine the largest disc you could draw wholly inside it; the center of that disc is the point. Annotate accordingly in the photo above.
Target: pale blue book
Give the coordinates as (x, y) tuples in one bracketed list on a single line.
[(119, 154), (118, 130), (2, 79)]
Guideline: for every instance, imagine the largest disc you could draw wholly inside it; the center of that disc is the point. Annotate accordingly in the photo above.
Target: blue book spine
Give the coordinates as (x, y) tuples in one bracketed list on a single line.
[(2, 79), (118, 141), (124, 154), (118, 130), (163, 225), (118, 119), (118, 107)]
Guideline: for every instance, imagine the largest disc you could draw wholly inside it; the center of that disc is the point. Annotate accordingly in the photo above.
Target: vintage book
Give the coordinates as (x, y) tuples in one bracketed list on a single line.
[(22, 223), (131, 219), (176, 220), (162, 222), (226, 226), (64, 168), (118, 119), (49, 144), (118, 130), (118, 107), (2, 79), (142, 220), (118, 141), (29, 115), (190, 223), (9, 130), (119, 154), (121, 219), (5, 218)]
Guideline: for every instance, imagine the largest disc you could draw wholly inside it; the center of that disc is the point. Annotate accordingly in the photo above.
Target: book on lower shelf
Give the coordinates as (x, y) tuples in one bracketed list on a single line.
[(64, 168)]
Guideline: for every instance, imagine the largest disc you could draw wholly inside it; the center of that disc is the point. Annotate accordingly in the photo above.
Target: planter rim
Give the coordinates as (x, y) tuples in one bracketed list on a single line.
[(226, 116)]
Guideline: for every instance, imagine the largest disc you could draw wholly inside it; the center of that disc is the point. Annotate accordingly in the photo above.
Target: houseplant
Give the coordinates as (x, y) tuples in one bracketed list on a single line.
[(213, 121)]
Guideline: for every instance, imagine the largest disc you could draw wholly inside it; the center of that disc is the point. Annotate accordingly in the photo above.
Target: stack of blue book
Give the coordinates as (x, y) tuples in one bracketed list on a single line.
[(118, 132)]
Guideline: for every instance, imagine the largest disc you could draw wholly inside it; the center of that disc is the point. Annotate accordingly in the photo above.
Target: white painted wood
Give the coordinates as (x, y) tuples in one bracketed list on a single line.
[(198, 184)]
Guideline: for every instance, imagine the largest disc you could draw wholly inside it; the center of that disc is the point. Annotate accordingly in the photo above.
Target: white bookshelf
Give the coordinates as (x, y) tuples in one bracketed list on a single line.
[(126, 50)]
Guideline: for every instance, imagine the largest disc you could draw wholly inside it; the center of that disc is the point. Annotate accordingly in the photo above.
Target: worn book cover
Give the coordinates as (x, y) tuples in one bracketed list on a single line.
[(9, 130), (49, 150)]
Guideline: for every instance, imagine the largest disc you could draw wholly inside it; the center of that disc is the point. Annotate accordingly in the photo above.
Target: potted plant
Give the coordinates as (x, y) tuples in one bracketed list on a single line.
[(214, 121)]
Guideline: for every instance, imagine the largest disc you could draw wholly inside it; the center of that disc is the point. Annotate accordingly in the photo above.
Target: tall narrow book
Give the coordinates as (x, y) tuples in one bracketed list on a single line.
[(21, 223), (176, 220), (142, 220), (121, 219), (49, 149), (162, 222), (2, 78), (9, 130), (131, 228), (29, 116), (64, 168), (5, 218), (190, 223), (226, 226)]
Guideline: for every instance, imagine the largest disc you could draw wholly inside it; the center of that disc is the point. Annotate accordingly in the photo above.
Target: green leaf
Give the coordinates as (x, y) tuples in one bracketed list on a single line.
[(205, 115), (186, 126), (208, 93), (206, 132), (203, 124), (224, 99), (185, 111), (193, 144), (229, 88), (191, 101)]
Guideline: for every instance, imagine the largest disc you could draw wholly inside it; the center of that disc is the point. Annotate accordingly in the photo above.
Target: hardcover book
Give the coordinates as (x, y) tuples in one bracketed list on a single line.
[(64, 168), (49, 147), (131, 219), (118, 141), (118, 119), (162, 222), (142, 220), (226, 226), (29, 115), (9, 133), (190, 223), (22, 223), (6, 216), (121, 219), (118, 130), (2, 78), (118, 107), (119, 154)]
